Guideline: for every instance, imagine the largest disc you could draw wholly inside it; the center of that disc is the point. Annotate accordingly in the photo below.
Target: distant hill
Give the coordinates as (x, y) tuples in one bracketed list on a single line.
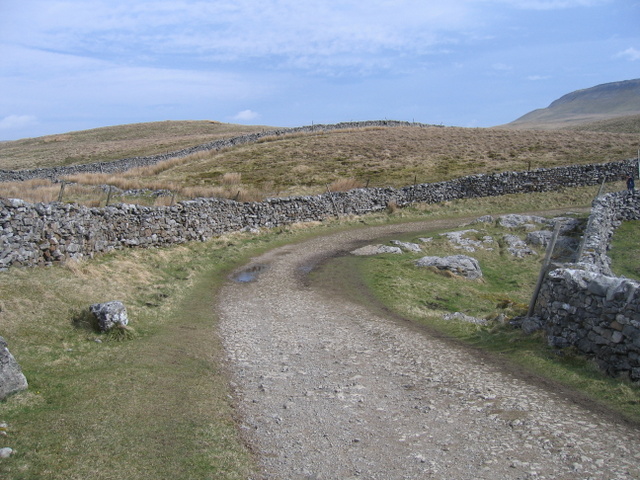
[(116, 142), (595, 104)]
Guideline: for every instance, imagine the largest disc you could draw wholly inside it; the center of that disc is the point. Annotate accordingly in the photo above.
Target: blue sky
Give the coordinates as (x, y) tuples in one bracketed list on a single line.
[(70, 65)]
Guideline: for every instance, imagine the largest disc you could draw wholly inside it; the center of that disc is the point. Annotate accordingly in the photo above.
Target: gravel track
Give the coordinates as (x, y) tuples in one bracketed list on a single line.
[(330, 389)]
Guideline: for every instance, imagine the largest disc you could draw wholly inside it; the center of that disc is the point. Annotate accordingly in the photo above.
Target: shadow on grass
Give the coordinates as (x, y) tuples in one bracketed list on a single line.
[(83, 319)]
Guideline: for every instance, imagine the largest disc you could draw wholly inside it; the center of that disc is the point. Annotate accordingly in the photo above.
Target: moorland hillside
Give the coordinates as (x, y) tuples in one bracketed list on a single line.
[(602, 102)]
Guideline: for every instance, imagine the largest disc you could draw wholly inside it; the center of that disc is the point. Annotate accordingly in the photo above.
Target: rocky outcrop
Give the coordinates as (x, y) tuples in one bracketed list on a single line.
[(369, 250), (462, 317), (460, 265), (517, 247), (407, 246), (11, 378)]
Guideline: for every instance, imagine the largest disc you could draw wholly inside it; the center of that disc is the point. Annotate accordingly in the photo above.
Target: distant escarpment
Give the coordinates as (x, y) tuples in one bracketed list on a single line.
[(616, 100)]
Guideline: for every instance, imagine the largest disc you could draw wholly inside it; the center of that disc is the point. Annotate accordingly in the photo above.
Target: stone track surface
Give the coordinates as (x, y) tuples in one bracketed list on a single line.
[(329, 389)]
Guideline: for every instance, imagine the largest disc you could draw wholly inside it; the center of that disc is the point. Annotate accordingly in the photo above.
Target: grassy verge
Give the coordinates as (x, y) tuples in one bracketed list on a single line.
[(624, 250), (154, 405)]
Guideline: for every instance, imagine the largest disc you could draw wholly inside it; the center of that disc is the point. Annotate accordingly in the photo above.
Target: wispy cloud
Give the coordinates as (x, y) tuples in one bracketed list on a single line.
[(286, 33), (630, 54), (245, 116), (328, 37)]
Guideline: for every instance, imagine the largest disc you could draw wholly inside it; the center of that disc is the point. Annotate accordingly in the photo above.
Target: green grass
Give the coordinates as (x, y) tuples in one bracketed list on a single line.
[(154, 405), (625, 248)]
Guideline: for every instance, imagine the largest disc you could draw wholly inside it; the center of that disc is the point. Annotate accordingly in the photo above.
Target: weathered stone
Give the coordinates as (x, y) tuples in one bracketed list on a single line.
[(585, 346), (517, 247), (461, 265), (617, 325), (484, 219), (110, 314), (616, 337), (463, 239), (558, 342), (11, 378), (531, 324), (6, 452), (407, 246), (539, 237), (515, 221), (375, 250), (464, 318)]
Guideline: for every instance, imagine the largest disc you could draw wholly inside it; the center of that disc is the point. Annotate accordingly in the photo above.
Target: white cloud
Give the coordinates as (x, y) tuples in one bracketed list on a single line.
[(630, 54), (246, 116), (536, 78), (331, 37), (17, 121), (276, 32)]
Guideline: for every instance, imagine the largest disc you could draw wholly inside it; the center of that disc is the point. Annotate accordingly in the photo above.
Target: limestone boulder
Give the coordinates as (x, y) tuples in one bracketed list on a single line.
[(464, 318), (110, 314), (11, 378), (375, 250), (461, 265), (407, 246), (521, 221), (517, 247)]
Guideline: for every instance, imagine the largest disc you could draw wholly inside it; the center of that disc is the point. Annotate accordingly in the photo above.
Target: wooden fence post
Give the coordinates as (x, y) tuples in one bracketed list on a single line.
[(61, 194), (601, 187), (333, 202), (545, 266)]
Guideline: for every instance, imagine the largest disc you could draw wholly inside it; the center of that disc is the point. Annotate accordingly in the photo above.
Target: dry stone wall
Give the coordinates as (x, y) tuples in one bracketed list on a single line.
[(134, 162), (585, 306), (40, 234), (582, 304)]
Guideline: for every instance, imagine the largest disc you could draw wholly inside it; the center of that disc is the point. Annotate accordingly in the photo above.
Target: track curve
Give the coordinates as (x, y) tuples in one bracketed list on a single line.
[(330, 389)]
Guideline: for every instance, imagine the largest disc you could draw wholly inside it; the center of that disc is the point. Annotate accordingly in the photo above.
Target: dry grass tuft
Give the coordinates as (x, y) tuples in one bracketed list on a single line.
[(121, 333), (78, 268), (345, 184), (37, 190), (231, 179)]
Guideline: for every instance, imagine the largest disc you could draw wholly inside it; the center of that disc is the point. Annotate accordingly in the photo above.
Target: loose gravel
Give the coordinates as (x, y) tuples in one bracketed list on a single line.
[(330, 389)]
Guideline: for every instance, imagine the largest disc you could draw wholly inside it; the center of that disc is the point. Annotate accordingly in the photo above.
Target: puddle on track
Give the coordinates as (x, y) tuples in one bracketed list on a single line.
[(249, 274)]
